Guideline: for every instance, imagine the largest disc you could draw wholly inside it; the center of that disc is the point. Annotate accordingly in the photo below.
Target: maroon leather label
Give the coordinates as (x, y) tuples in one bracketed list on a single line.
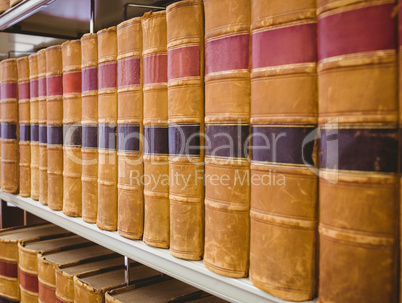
[(288, 45), (129, 72), (46, 294), (33, 89), (8, 90), (23, 90), (229, 53), (42, 88), (184, 62), (54, 86), (28, 282), (72, 82), (155, 68), (89, 79), (8, 269), (362, 30), (108, 75)]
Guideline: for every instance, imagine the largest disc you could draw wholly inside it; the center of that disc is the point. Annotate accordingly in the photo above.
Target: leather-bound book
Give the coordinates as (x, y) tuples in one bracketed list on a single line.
[(28, 261), (72, 132), (65, 275), (130, 129), (34, 125), (9, 126), (358, 117), (4, 5), (54, 83), (42, 108), (47, 263), (89, 65), (283, 216), (24, 125), (91, 287), (107, 129), (156, 165), (185, 37), (227, 118), (9, 281)]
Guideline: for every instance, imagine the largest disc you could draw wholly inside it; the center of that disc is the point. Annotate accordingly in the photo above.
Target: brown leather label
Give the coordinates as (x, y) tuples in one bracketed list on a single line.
[(72, 82), (46, 294), (28, 282), (184, 139), (8, 269), (54, 86), (9, 131)]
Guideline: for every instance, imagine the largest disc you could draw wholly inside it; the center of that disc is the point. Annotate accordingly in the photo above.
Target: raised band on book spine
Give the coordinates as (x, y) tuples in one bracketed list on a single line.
[(130, 129), (72, 130), (185, 37), (156, 165), (107, 131)]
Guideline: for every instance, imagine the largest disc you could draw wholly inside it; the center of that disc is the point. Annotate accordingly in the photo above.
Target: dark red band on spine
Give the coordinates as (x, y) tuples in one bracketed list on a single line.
[(46, 294), (23, 90), (230, 53), (72, 83), (129, 72), (28, 282), (108, 75), (362, 30), (33, 89), (8, 269), (288, 45), (89, 79), (8, 90), (42, 88), (184, 62), (155, 69), (54, 86)]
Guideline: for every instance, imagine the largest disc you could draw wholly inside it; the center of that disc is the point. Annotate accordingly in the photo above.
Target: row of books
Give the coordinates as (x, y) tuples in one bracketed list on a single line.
[(47, 264), (129, 128)]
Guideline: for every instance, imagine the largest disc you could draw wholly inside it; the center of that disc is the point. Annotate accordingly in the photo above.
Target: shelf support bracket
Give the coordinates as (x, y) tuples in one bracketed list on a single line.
[(127, 270)]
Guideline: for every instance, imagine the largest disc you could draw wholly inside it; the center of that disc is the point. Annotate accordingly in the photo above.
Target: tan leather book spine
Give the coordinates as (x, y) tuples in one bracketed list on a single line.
[(72, 131), (89, 61), (156, 165), (283, 212), (24, 121), (358, 187), (107, 129), (130, 129), (4, 5), (185, 38), (227, 118), (0, 125), (54, 83), (9, 127), (42, 107), (34, 125)]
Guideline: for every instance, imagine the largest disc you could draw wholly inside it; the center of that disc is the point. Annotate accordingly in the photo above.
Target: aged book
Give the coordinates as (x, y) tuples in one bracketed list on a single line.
[(283, 216), (4, 5), (107, 129), (358, 187), (54, 84), (9, 281), (47, 262), (42, 108), (34, 125), (185, 38), (227, 118), (130, 129), (91, 287), (89, 65), (156, 165), (65, 275), (72, 131), (24, 125), (9, 126), (28, 261)]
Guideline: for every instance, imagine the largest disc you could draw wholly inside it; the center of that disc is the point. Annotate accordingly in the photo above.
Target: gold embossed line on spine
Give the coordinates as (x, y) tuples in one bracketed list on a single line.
[(24, 121), (107, 129), (358, 118), (130, 129), (227, 118), (89, 66), (156, 165), (9, 126), (283, 117), (185, 37), (54, 84), (34, 125), (72, 131)]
